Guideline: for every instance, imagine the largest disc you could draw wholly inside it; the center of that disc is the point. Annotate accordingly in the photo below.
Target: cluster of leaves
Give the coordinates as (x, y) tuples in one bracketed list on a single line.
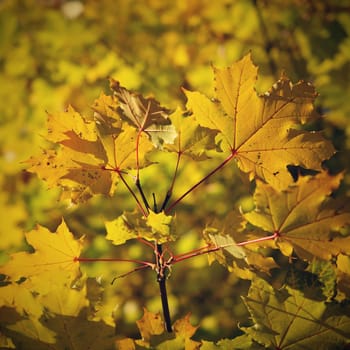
[(297, 218)]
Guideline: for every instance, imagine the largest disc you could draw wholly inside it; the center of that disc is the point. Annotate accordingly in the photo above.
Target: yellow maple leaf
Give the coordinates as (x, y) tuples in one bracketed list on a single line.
[(191, 139), (52, 251), (303, 217), (70, 126), (155, 227), (92, 154), (21, 298), (258, 130)]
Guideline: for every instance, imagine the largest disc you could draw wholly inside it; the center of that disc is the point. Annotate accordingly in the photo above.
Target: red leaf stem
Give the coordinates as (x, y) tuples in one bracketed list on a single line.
[(220, 166)]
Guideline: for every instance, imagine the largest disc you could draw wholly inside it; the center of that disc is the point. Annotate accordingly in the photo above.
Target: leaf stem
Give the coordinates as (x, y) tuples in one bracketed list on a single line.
[(207, 249), (220, 166), (170, 190), (129, 272), (143, 211), (257, 240), (139, 187), (137, 155), (145, 263)]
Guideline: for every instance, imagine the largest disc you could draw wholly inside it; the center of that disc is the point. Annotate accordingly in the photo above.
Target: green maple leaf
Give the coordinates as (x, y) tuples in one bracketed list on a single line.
[(288, 320), (303, 217), (260, 131)]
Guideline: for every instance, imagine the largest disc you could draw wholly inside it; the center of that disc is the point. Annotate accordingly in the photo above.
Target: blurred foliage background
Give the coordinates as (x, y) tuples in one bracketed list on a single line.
[(54, 53)]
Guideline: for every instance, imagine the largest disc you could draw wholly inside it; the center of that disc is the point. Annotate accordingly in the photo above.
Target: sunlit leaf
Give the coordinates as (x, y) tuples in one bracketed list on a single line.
[(59, 295), (162, 226), (71, 127), (154, 336), (222, 237), (261, 132), (192, 140), (120, 230), (303, 217), (92, 154), (106, 116), (52, 251), (22, 299), (156, 227), (149, 325)]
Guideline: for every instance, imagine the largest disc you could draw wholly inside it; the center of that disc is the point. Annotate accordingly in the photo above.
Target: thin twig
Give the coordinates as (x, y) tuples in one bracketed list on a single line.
[(170, 190), (133, 194), (144, 199), (230, 157), (206, 250), (145, 263), (130, 272)]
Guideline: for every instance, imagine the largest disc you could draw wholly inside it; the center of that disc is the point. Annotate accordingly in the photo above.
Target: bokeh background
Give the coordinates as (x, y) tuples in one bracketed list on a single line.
[(55, 53)]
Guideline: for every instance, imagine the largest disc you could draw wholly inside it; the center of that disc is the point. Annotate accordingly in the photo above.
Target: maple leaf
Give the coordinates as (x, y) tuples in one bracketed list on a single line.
[(57, 293), (287, 320), (92, 154), (32, 333), (242, 342), (260, 131), (149, 325), (157, 227), (52, 251), (55, 312), (153, 334), (192, 140), (303, 218), (146, 114), (106, 115), (62, 332), (222, 236), (22, 299), (162, 227), (121, 229)]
